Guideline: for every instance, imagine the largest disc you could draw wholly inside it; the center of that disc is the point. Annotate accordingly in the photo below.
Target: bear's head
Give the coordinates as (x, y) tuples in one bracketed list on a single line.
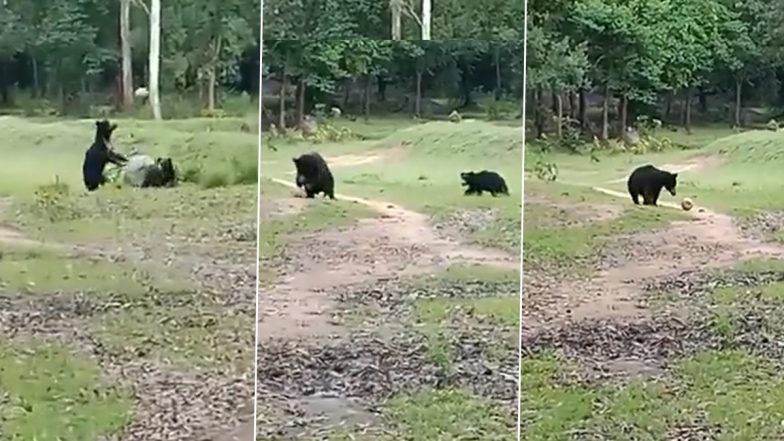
[(467, 176), (670, 182), (103, 130), (167, 170)]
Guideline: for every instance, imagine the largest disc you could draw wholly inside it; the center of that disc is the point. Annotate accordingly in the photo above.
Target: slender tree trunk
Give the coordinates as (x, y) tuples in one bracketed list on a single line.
[(738, 92), (300, 102), (583, 108), (539, 107), (668, 110), (497, 62), (687, 111), (36, 79), (623, 114), (396, 14), (212, 77), (418, 101), (382, 89), (155, 59), (703, 100), (346, 94), (367, 96), (282, 102), (426, 19), (559, 115), (605, 113), (572, 106), (125, 44)]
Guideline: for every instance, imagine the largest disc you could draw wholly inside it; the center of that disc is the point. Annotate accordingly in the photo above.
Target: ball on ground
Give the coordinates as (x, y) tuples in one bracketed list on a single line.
[(687, 204)]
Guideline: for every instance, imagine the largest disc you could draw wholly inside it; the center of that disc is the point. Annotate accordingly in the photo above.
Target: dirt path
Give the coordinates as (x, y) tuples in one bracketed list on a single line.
[(708, 240), (399, 242)]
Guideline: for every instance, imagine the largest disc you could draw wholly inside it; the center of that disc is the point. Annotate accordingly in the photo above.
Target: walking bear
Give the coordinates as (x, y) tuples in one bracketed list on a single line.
[(488, 181), (99, 154), (648, 181), (314, 176)]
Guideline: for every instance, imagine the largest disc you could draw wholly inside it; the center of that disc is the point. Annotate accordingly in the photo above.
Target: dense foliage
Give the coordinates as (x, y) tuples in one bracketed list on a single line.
[(68, 51), (644, 60)]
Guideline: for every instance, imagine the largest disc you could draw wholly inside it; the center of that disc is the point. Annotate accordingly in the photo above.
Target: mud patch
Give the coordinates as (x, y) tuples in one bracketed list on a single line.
[(271, 208)]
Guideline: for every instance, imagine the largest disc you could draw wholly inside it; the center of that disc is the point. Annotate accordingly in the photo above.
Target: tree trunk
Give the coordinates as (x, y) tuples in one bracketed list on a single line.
[(668, 111), (687, 111), (426, 19), (623, 114), (36, 79), (738, 91), (572, 106), (367, 96), (346, 94), (282, 102), (605, 112), (559, 115), (497, 62), (583, 109), (300, 102), (382, 89), (125, 43), (703, 100), (212, 77), (539, 112), (418, 101), (396, 14), (155, 59)]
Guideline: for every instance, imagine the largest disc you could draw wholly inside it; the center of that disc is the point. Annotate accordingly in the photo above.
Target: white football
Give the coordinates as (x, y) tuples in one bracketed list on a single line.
[(142, 92)]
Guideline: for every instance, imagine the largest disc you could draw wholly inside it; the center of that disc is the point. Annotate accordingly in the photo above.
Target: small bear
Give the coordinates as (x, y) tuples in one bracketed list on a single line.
[(488, 181), (648, 181), (314, 176)]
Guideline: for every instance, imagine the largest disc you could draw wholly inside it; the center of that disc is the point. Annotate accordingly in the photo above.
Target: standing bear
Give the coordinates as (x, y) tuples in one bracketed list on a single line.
[(99, 154), (314, 176), (647, 181)]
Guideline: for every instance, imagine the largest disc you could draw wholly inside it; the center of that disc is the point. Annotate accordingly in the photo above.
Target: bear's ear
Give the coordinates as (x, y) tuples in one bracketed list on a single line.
[(97, 124), (294, 160), (675, 175)]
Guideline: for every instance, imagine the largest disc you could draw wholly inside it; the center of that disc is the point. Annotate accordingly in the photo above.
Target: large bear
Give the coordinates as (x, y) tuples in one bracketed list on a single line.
[(647, 181), (488, 181), (314, 176), (99, 154)]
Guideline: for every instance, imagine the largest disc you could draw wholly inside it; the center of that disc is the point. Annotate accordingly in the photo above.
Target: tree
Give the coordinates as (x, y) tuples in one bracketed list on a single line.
[(155, 43)]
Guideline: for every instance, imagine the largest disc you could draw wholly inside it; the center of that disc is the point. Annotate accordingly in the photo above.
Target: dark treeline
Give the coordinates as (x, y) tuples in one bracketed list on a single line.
[(366, 55), (69, 51), (603, 65), (371, 76)]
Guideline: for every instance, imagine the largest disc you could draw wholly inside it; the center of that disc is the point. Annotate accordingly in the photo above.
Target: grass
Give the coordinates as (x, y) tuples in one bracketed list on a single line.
[(50, 395), (425, 177), (145, 308), (732, 390), (44, 272), (728, 390)]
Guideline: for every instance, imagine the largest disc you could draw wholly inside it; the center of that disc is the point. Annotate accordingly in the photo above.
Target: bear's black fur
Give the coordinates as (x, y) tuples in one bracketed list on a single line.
[(99, 154), (648, 181), (162, 175), (488, 181), (314, 175)]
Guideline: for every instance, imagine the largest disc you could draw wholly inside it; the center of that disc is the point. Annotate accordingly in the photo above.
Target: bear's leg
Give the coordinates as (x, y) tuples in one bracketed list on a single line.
[(647, 198), (655, 196), (309, 193), (635, 197)]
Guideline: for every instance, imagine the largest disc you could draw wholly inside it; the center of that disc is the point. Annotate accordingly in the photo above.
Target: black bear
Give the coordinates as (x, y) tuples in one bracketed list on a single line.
[(488, 181), (648, 181), (99, 154), (314, 175)]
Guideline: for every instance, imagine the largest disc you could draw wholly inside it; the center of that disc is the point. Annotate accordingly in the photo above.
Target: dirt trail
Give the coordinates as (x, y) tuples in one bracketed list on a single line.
[(708, 240), (398, 243)]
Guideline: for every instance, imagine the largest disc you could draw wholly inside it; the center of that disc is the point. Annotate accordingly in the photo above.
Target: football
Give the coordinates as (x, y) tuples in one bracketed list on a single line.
[(687, 204)]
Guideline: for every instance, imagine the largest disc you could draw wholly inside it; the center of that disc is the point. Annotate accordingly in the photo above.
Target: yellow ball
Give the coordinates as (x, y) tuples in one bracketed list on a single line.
[(687, 204)]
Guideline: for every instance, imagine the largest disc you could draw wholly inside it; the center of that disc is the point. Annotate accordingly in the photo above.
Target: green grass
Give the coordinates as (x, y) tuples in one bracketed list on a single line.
[(733, 390), (426, 177), (43, 150), (50, 395), (44, 272), (182, 329)]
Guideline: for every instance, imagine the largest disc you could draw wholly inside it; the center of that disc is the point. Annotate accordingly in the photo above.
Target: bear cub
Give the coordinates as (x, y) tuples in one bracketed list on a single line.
[(99, 154), (314, 176), (647, 181), (488, 181)]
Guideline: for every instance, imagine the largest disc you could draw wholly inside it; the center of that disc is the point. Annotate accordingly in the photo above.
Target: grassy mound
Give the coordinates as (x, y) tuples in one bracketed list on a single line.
[(761, 147), (469, 139), (219, 155)]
